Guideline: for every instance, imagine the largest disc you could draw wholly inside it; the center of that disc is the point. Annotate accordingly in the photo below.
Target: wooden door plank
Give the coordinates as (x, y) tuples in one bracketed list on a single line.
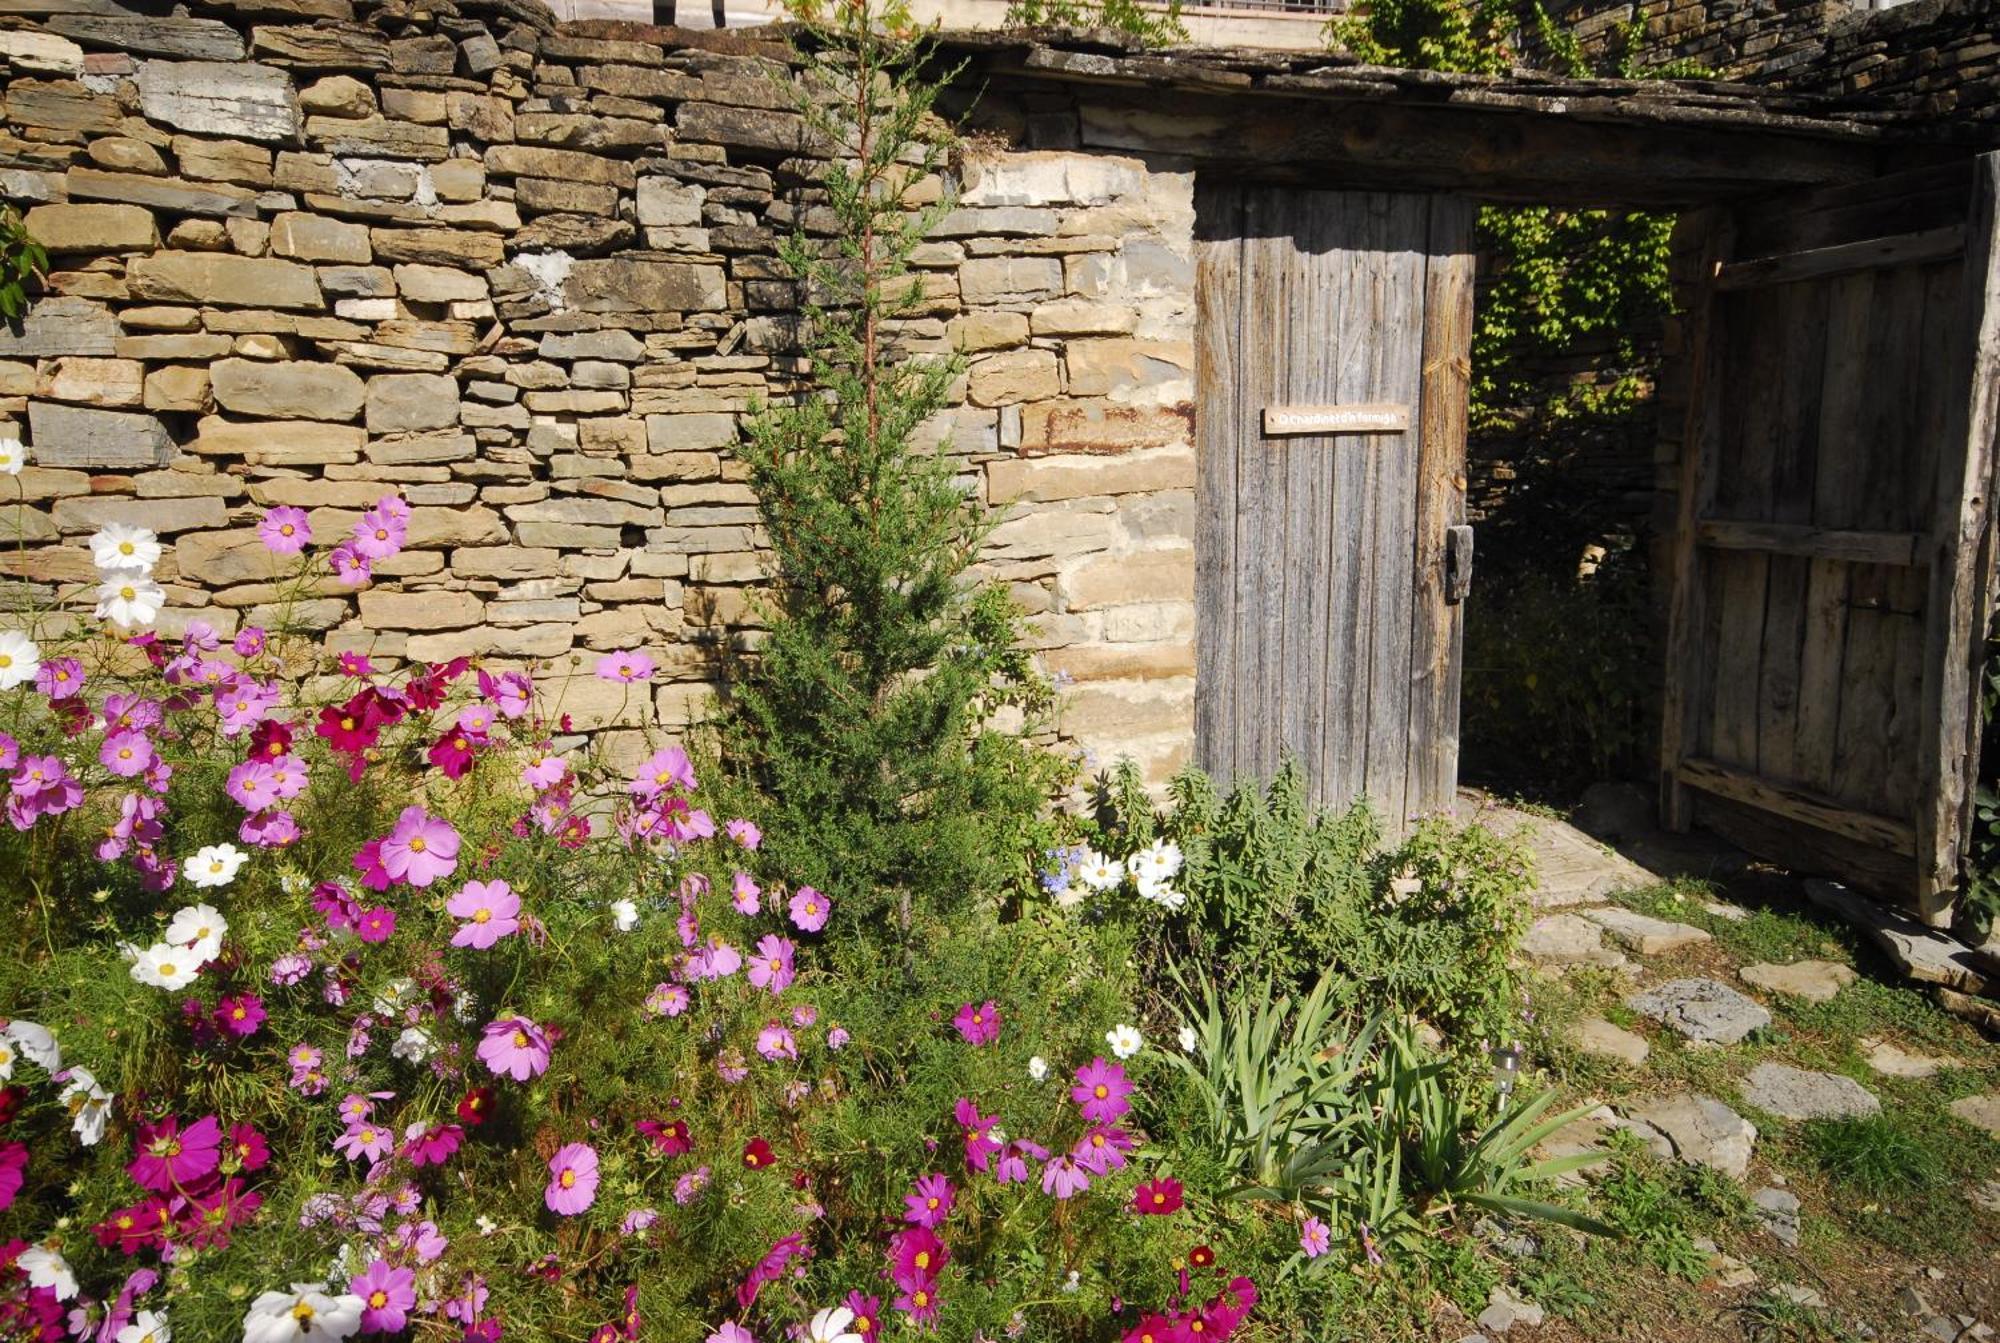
[(1903, 249), (1295, 316), (1823, 646), (1810, 542), (1960, 608), (1218, 317), (1795, 455), (1799, 804), (1258, 501), (1437, 641), (1344, 747)]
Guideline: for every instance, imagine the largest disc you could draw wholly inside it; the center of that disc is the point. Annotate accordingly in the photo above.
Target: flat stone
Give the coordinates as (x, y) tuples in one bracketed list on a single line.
[(1702, 1009), (1728, 913), (217, 277), (1588, 1134), (1981, 1111), (1922, 953), (1814, 981), (311, 237), (1504, 1310), (411, 402), (1704, 1131), (60, 325), (1892, 1060), (1567, 939), (1794, 1093), (1600, 1039), (78, 436), (286, 391), (1985, 1195), (629, 284), (1571, 868), (162, 193), (93, 382), (427, 610), (278, 443), (151, 34), (225, 98), (1778, 1210), (93, 228), (1799, 1295), (1646, 935)]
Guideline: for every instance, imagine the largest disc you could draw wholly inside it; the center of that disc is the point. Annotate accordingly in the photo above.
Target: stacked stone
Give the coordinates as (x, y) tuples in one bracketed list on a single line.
[(1727, 38), (1937, 57), (526, 275)]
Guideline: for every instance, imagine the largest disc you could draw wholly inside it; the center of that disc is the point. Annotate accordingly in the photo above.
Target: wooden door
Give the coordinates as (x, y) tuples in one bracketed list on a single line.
[(1832, 557), (1327, 626)]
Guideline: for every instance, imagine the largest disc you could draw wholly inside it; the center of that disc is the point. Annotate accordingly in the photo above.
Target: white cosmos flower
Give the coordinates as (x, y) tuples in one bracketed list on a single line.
[(167, 967), (12, 456), (19, 659), (1156, 890), (1159, 861), (118, 547), (414, 1045), (1098, 872), (1038, 1067), (833, 1325), (395, 995), (35, 1044), (146, 1327), (7, 1057), (624, 915), (200, 929), (214, 865), (47, 1268), (129, 598), (1189, 1040), (1124, 1041), (89, 1106), (306, 1314)]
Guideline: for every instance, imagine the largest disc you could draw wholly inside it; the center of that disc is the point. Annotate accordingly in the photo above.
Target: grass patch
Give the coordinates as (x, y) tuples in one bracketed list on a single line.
[(1768, 933), (1661, 1207), (1882, 1157)]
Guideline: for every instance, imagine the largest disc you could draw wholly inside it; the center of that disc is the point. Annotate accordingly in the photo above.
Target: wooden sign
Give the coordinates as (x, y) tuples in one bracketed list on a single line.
[(1378, 418)]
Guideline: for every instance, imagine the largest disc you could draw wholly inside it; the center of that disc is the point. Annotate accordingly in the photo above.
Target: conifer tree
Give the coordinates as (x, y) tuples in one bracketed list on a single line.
[(866, 725)]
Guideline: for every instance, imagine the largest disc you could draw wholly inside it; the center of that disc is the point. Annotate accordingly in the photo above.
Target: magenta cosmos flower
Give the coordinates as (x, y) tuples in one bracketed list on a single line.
[(771, 967), (376, 925), (420, 849), (388, 1294), (284, 530), (491, 910), (929, 1203), (628, 665), (979, 1023), (810, 910), (169, 1158), (666, 769), (980, 1144), (572, 1179), (126, 753), (775, 1043), (515, 1047), (1101, 1090)]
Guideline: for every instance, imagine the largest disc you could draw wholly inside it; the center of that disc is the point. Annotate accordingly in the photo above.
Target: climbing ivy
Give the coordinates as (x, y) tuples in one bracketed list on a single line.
[(22, 260), (1154, 25)]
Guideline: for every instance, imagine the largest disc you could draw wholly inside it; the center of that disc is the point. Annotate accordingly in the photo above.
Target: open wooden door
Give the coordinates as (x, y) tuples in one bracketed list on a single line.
[(1333, 335), (1833, 554)]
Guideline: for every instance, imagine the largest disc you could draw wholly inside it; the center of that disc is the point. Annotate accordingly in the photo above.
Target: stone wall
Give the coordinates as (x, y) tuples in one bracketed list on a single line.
[(1939, 57), (308, 251), (1727, 37)]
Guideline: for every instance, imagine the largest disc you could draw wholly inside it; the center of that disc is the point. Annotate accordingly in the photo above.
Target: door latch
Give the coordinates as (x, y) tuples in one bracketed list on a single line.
[(1457, 563)]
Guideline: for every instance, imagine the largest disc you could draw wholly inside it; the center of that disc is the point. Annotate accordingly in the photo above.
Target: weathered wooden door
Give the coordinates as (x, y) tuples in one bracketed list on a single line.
[(1833, 552), (1329, 563)]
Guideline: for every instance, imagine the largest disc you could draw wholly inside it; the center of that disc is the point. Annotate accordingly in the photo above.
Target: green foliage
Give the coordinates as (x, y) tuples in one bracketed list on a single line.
[(863, 731), (1662, 1207), (1881, 1157), (1470, 35), (1425, 926), (22, 261), (1153, 25)]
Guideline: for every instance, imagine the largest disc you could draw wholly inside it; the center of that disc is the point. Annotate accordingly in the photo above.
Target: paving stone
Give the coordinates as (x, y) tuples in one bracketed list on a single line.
[(1703, 1130), (1702, 1009), (1600, 1039), (1567, 939), (1981, 1111), (1893, 1060), (1795, 1093), (1778, 1211), (1730, 913), (1798, 1295), (1922, 953), (1814, 981), (1644, 934), (1504, 1310)]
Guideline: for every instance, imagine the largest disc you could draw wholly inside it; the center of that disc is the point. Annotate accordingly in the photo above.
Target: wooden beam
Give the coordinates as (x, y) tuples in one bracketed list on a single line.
[(1904, 249), (1962, 568), (1800, 805), (1819, 543)]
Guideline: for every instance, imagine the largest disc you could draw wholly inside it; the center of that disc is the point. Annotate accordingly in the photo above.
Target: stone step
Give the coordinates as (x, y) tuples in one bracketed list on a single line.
[(1702, 1010), (1813, 981), (1644, 934), (1794, 1093)]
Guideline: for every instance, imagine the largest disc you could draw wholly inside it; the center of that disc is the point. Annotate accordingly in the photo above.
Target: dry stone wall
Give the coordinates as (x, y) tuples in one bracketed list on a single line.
[(308, 251)]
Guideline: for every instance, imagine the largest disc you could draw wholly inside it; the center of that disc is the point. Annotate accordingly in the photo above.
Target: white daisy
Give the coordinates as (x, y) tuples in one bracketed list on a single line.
[(167, 967), (129, 598), (89, 1106), (146, 1327), (833, 1325), (1125, 1041), (624, 915), (118, 546), (414, 1045), (35, 1044), (47, 1268), (12, 456), (1155, 889), (1159, 861), (1038, 1067), (306, 1314), (214, 865), (19, 659), (200, 930), (1189, 1040), (1098, 872)]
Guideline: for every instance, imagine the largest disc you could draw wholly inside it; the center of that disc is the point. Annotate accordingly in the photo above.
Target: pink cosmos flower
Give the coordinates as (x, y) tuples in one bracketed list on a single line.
[(837, 1038), (978, 1023), (667, 1000), (378, 533), (515, 1047), (388, 1294), (1062, 1178), (284, 530), (1157, 1198), (929, 1203), (572, 1180), (365, 1139), (126, 753), (512, 693), (771, 967), (269, 829), (41, 786), (249, 641), (1103, 1149), (729, 1331), (431, 1144), (356, 665), (745, 833), (544, 774), (670, 1136), (288, 775), (1101, 1090), (376, 925), (717, 959), (666, 769), (771, 1267), (421, 849), (810, 910), (13, 1165), (252, 785), (492, 910), (689, 1186), (242, 702), (348, 565), (168, 1158), (744, 893), (60, 678), (775, 1043), (239, 1014), (251, 1151), (920, 1303), (304, 1059), (1314, 1238), (1012, 1167), (916, 1255), (627, 666), (636, 1221), (977, 1130), (804, 1015)]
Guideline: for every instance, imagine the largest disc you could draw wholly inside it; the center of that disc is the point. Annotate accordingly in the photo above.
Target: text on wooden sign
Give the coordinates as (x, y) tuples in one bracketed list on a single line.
[(1379, 418)]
